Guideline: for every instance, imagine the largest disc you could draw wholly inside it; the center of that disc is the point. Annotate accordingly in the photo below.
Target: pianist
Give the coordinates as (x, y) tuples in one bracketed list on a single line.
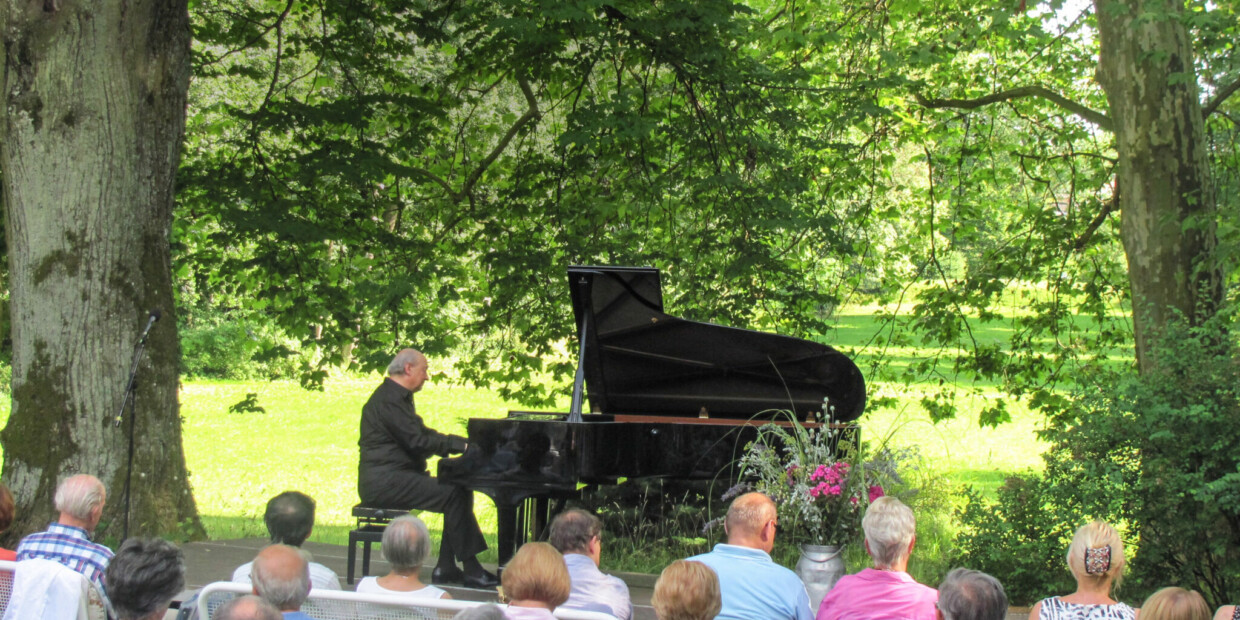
[(392, 471)]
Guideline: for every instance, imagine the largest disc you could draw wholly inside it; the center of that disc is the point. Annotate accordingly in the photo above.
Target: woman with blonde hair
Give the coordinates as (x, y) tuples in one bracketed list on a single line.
[(1175, 604), (686, 590), (535, 582), (1096, 559)]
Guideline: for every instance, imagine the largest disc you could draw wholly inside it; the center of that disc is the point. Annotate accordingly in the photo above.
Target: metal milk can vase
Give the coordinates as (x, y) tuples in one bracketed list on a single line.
[(819, 568)]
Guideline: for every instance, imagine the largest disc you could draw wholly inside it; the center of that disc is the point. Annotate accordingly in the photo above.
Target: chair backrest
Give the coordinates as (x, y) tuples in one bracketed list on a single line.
[(346, 605), (6, 583), (46, 588), (342, 605)]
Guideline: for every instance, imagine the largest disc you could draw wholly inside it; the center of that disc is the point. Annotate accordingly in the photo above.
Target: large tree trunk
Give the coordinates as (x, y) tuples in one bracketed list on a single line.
[(1146, 68), (94, 111)]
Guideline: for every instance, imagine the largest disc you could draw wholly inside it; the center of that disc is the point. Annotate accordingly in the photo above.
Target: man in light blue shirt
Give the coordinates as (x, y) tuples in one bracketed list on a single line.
[(578, 535), (752, 585)]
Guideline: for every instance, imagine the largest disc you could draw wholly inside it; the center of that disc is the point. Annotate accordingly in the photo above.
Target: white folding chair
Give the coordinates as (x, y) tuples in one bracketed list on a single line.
[(6, 583)]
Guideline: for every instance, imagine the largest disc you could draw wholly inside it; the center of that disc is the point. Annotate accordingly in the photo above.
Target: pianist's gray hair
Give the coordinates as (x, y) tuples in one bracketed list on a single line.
[(889, 528), (407, 356), (406, 543)]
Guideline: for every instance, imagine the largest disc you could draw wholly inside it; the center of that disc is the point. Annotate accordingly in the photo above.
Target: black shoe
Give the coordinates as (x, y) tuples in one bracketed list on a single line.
[(485, 581), (447, 576)]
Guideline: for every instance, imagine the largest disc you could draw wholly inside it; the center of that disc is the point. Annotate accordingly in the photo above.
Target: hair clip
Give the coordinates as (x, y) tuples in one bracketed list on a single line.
[(1097, 560)]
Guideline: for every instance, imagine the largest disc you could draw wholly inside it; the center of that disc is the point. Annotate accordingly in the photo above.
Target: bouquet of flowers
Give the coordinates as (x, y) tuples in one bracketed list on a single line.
[(817, 478)]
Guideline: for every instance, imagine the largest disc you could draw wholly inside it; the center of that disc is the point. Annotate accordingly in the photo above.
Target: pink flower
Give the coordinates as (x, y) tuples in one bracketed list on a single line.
[(853, 500), (790, 474), (876, 492)]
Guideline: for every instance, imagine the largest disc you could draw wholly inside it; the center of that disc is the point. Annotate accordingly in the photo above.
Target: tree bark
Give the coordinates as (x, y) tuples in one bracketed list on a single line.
[(90, 135), (1168, 214)]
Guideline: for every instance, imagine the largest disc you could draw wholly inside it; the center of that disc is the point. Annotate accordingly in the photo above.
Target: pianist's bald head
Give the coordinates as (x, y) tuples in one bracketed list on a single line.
[(751, 522), (407, 356)]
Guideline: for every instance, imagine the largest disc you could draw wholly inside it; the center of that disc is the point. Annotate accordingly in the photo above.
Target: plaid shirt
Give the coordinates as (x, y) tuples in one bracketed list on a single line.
[(70, 546)]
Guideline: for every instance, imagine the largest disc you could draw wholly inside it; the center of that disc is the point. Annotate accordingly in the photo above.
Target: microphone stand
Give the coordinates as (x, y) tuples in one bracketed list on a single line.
[(130, 400)]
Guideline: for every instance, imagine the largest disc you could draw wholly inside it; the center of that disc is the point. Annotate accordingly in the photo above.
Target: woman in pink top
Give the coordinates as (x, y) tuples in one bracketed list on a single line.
[(885, 591)]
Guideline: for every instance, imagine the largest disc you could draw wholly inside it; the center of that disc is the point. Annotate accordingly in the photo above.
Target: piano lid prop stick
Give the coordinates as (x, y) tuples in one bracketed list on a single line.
[(574, 411)]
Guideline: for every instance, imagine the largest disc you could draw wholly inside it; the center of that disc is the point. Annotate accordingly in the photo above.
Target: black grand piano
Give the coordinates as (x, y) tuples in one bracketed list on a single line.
[(668, 398)]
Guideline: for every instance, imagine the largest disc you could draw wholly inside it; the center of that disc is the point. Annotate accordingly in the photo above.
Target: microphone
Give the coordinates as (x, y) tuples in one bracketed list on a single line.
[(155, 314)]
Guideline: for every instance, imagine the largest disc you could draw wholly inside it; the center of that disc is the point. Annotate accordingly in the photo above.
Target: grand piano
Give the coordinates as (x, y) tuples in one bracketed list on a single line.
[(667, 398)]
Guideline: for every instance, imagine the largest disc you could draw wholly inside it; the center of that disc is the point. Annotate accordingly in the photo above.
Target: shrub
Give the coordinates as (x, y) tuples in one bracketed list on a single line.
[(1156, 455), (228, 347)]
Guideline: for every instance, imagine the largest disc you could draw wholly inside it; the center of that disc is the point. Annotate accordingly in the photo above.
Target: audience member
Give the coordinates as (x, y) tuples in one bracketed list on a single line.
[(480, 612), (143, 578), (1228, 612), (290, 520), (8, 509), (578, 535), (1175, 604), (406, 543), (971, 595), (248, 607), (886, 590), (535, 582), (80, 500), (686, 591), (282, 578), (754, 586), (1096, 559)]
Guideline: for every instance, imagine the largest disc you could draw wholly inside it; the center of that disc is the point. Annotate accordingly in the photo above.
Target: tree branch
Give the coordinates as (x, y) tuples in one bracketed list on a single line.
[(1219, 97), (1089, 114), (531, 114), (1088, 233)]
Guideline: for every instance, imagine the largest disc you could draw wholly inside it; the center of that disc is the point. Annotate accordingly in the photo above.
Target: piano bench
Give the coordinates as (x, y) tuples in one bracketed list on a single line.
[(371, 522)]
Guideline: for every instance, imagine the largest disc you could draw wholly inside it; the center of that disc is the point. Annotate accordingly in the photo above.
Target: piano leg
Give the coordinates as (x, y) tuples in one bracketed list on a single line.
[(506, 530)]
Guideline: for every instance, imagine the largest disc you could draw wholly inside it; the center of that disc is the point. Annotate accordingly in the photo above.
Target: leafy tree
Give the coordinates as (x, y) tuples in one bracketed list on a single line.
[(424, 172), (90, 131)]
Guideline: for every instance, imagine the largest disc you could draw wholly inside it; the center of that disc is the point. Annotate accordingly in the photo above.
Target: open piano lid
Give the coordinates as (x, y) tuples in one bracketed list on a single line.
[(639, 360)]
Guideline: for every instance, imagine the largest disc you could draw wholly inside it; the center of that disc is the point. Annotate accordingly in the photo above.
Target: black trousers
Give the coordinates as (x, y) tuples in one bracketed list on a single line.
[(410, 490)]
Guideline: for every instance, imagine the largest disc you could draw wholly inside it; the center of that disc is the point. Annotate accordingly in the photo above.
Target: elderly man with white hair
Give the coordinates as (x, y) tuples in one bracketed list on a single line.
[(885, 591), (391, 471), (80, 500), (282, 578)]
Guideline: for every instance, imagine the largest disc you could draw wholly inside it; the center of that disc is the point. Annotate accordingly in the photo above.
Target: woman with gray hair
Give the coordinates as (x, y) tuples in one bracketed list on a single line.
[(887, 590), (406, 543)]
